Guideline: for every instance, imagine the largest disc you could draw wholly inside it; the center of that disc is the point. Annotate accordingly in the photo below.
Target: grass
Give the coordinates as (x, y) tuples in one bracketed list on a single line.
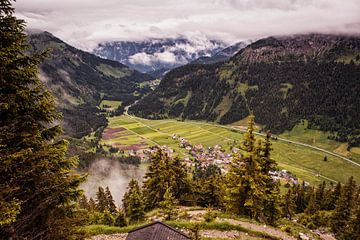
[(105, 229), (307, 164), (113, 72), (221, 226), (109, 105)]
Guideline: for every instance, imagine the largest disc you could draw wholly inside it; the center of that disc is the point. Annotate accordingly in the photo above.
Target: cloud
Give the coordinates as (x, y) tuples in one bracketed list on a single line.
[(84, 23), (109, 173)]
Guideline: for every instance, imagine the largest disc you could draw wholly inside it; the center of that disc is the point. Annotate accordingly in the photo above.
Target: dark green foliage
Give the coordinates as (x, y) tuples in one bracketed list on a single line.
[(164, 171), (288, 204), (250, 190), (342, 212), (110, 202), (168, 204), (120, 219), (38, 187), (133, 203), (281, 85), (101, 200), (83, 83)]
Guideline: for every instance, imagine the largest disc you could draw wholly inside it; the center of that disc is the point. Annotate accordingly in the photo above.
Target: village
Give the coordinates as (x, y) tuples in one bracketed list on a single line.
[(205, 156)]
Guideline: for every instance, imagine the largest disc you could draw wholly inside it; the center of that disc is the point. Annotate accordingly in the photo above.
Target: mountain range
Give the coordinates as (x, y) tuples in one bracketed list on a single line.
[(281, 80), (80, 81), (157, 56)]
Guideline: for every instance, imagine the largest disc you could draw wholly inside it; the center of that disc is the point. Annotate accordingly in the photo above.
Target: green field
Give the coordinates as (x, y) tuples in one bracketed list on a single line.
[(127, 132), (109, 105)]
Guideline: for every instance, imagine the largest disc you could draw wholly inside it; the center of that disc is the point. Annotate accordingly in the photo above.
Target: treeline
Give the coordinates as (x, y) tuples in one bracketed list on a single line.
[(280, 93), (247, 189)]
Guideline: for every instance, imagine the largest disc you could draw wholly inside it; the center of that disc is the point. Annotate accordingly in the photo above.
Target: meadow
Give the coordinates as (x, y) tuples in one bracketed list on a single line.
[(128, 132)]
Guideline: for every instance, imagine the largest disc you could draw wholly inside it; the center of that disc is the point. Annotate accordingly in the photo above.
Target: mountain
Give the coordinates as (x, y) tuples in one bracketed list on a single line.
[(222, 55), (158, 55), (282, 80), (80, 81)]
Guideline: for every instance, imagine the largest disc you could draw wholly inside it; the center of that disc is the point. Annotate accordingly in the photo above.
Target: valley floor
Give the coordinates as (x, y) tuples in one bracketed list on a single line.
[(304, 160)]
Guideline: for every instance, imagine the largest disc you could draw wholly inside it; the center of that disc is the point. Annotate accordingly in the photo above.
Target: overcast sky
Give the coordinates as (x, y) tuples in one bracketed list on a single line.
[(84, 23)]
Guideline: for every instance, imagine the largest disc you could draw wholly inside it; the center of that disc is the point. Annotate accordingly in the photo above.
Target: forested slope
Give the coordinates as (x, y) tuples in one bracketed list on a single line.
[(280, 79), (80, 80)]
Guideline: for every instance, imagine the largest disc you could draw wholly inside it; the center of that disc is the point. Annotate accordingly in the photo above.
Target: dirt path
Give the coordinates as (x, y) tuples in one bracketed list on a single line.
[(260, 228), (226, 234)]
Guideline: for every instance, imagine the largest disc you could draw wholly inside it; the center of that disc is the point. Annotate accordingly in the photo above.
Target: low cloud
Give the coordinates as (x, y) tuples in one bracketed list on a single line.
[(84, 23), (112, 174)]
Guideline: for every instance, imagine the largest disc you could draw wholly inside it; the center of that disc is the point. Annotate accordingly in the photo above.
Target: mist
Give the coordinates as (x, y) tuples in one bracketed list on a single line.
[(112, 174)]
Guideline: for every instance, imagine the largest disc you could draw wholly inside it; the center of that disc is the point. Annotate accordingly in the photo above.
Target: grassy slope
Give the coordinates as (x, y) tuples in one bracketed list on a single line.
[(305, 163)]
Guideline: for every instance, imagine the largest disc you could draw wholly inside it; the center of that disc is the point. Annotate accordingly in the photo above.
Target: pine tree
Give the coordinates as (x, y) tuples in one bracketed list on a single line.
[(101, 200), (333, 197), (154, 180), (244, 192), (92, 204), (342, 212), (120, 220), (312, 206), (37, 181), (288, 204), (110, 201), (83, 203), (168, 204), (301, 200), (133, 203), (320, 196), (164, 170), (271, 197)]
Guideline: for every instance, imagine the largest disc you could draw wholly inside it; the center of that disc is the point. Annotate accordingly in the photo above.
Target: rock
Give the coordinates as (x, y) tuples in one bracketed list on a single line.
[(303, 236)]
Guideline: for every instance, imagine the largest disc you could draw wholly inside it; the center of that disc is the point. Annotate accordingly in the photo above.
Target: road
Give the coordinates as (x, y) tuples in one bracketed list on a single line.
[(262, 134)]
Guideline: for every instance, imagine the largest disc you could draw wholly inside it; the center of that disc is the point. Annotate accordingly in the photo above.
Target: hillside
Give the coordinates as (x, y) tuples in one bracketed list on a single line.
[(280, 79), (80, 81)]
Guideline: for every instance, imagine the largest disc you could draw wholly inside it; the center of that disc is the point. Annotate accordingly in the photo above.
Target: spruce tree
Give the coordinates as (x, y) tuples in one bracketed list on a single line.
[(120, 220), (271, 197), (133, 203), (164, 170), (168, 204), (312, 206), (37, 183), (288, 204), (342, 212), (84, 203), (110, 201), (101, 200), (244, 193)]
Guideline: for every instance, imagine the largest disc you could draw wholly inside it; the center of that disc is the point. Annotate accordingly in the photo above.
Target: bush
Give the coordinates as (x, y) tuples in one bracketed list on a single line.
[(210, 216)]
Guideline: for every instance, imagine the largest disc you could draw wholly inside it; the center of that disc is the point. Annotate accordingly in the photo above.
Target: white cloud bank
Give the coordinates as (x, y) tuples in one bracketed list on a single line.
[(84, 23)]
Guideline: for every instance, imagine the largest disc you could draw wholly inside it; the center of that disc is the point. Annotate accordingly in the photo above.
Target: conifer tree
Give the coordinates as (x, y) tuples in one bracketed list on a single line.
[(168, 204), (342, 212), (92, 204), (288, 204), (164, 170), (110, 201), (101, 200), (83, 203), (333, 197), (244, 194), (133, 203), (37, 183), (271, 197), (320, 196), (300, 199), (312, 206), (120, 220)]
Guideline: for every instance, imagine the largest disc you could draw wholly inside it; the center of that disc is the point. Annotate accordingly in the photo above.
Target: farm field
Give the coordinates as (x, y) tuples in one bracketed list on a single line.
[(128, 132)]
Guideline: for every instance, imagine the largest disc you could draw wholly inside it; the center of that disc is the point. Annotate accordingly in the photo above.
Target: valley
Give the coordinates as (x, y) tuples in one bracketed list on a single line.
[(128, 132)]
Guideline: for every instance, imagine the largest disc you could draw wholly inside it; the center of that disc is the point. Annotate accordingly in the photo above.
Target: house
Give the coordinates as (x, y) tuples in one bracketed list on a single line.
[(156, 231)]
